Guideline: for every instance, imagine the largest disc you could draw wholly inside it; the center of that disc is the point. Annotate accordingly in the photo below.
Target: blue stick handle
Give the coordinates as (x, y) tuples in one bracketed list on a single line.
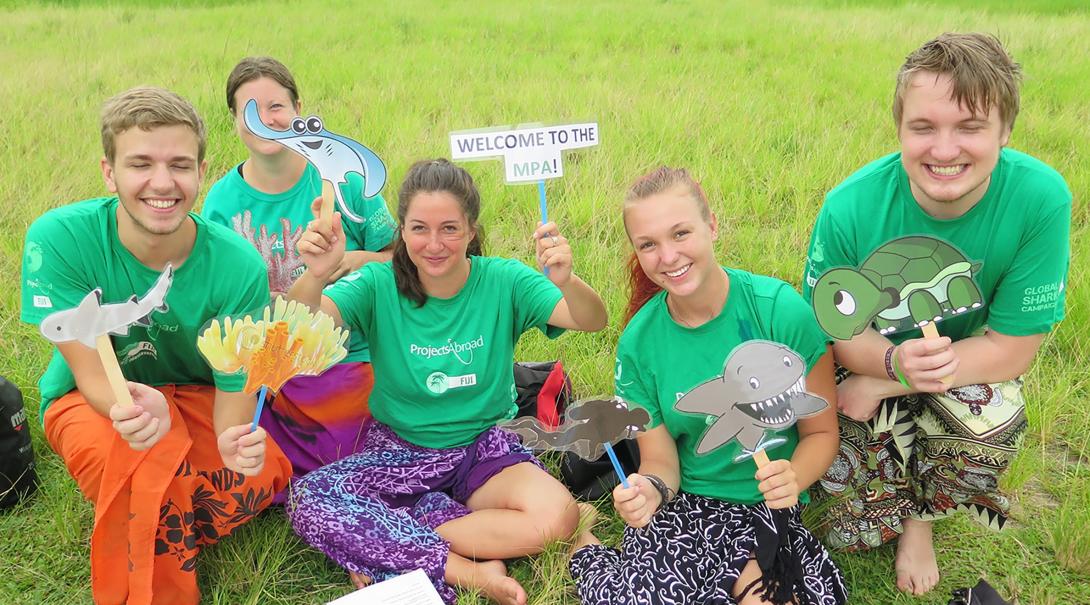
[(544, 212), (616, 465), (541, 201), (260, 404)]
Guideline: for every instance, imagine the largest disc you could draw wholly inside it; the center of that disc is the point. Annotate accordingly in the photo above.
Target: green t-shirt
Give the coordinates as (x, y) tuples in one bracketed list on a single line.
[(443, 372), (74, 249), (274, 222), (1019, 233), (660, 360)]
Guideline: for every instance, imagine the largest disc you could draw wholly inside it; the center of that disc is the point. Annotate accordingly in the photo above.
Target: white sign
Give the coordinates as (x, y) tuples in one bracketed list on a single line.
[(529, 154), (413, 588)]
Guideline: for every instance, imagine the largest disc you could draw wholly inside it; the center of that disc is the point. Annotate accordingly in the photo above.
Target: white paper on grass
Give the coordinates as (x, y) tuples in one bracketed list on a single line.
[(413, 588), (530, 153)]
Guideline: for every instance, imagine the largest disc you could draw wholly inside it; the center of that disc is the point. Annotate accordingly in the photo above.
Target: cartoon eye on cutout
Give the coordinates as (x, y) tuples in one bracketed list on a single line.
[(844, 301), (314, 125), (298, 126), (786, 361), (753, 382)]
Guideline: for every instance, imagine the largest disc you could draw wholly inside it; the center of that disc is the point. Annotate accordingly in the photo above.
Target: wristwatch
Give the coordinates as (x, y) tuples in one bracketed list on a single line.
[(663, 490)]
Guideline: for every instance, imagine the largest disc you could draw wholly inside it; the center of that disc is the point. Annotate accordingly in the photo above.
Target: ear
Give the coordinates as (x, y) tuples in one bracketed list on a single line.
[(201, 170), (715, 227), (1005, 136), (108, 174)]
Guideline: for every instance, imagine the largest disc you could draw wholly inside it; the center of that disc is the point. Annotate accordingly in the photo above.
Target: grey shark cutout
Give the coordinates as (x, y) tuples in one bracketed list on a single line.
[(762, 389), (92, 319)]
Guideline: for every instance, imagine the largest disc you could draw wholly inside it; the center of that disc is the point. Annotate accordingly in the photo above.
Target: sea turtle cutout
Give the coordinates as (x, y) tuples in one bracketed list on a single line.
[(910, 282), (762, 389), (332, 155), (587, 427)]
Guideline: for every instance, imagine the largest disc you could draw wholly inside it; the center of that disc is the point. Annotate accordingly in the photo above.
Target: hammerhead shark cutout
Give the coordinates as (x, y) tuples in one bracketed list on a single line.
[(92, 319), (332, 155), (588, 425), (763, 388)]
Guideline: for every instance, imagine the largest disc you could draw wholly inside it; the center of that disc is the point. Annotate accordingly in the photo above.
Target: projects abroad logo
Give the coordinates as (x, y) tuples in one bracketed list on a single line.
[(462, 351)]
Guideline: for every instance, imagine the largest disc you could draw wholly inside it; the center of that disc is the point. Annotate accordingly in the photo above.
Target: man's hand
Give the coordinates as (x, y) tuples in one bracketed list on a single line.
[(858, 396), (145, 422), (243, 450), (778, 484), (924, 362)]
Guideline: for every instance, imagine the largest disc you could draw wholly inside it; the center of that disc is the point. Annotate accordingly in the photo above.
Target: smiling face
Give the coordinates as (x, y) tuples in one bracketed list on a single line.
[(948, 151), (672, 240), (437, 235), (275, 107), (156, 175)]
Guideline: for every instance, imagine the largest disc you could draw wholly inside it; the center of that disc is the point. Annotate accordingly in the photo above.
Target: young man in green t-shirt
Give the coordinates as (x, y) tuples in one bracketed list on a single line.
[(181, 468), (928, 424)]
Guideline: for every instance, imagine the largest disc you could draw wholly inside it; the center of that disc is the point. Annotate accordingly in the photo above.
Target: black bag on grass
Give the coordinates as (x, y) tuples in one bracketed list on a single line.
[(17, 477)]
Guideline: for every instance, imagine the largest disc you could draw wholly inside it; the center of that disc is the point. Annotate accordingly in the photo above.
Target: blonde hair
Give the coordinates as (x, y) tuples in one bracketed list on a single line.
[(146, 108), (983, 74)]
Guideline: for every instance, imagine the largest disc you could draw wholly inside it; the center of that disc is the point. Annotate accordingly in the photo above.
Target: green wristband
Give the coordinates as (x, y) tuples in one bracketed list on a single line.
[(900, 374)]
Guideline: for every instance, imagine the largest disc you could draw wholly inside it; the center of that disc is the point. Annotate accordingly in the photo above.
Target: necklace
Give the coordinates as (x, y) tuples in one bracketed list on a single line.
[(676, 314)]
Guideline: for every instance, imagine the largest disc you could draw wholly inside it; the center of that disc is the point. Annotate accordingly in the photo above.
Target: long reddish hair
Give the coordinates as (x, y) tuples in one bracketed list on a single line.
[(641, 287)]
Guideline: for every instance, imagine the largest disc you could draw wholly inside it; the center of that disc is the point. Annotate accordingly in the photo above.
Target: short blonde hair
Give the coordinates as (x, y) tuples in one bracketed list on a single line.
[(983, 74), (146, 108)]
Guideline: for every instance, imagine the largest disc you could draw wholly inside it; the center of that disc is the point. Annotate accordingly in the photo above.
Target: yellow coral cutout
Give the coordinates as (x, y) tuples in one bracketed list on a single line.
[(289, 340)]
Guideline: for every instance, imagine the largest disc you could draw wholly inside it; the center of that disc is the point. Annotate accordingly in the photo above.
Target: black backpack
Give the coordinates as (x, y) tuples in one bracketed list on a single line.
[(17, 477), (586, 480)]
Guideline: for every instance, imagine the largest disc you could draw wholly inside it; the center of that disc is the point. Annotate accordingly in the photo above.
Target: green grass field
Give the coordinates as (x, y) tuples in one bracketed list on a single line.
[(769, 103)]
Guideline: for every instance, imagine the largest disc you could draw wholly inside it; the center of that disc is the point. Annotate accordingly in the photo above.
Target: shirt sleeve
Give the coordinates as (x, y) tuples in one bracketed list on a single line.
[(831, 245), (793, 324), (535, 299), (629, 382), (1030, 297), (377, 229), (51, 282), (354, 295), (249, 295)]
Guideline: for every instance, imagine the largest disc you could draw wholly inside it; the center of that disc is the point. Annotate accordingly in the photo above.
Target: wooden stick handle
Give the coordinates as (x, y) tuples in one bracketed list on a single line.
[(113, 370), (325, 216), (761, 458), (931, 331)]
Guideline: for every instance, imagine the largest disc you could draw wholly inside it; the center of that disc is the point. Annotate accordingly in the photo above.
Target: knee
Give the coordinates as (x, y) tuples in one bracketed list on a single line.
[(558, 520)]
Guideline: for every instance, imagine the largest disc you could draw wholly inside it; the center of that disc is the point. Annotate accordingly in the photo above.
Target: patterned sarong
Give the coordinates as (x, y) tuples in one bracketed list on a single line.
[(155, 509), (923, 456)]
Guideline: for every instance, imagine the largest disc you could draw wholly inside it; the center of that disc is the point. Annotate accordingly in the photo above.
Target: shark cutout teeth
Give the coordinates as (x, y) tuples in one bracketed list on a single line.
[(775, 411)]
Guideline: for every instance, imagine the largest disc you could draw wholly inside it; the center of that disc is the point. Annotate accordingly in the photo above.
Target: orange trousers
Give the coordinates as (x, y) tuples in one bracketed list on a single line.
[(155, 509)]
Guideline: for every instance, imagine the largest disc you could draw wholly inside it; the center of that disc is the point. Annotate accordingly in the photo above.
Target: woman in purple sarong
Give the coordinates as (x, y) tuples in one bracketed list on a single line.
[(436, 486)]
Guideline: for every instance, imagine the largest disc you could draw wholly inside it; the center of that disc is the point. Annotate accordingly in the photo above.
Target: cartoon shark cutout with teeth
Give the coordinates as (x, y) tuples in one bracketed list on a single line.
[(763, 388), (92, 319), (332, 155)]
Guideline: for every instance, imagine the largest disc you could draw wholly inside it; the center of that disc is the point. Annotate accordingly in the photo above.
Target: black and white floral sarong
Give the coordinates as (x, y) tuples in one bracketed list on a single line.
[(692, 552)]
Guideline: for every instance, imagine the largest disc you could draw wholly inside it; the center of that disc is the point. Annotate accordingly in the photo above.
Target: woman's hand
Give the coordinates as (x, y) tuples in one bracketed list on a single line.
[(636, 504), (778, 484), (554, 254)]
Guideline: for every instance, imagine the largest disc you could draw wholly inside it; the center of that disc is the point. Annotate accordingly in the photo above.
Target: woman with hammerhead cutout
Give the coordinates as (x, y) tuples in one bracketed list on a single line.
[(267, 200), (437, 486), (706, 525)]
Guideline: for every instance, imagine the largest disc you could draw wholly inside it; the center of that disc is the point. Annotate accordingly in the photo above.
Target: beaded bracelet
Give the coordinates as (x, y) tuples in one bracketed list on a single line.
[(889, 362)]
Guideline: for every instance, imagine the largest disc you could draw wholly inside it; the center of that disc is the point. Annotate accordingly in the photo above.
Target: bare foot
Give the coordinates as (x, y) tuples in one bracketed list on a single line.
[(492, 580), (917, 569), (588, 516), (359, 580)]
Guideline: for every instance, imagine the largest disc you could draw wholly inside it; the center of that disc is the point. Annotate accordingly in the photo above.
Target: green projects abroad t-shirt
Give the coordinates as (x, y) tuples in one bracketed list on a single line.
[(274, 222), (74, 249), (1019, 233), (660, 360), (443, 372)]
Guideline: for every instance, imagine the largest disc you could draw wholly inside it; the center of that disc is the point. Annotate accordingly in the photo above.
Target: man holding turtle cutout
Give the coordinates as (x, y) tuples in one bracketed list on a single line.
[(954, 232)]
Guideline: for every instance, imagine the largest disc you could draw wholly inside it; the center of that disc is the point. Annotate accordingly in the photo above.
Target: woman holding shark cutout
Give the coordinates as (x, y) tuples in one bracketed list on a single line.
[(267, 200), (437, 486), (709, 352)]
